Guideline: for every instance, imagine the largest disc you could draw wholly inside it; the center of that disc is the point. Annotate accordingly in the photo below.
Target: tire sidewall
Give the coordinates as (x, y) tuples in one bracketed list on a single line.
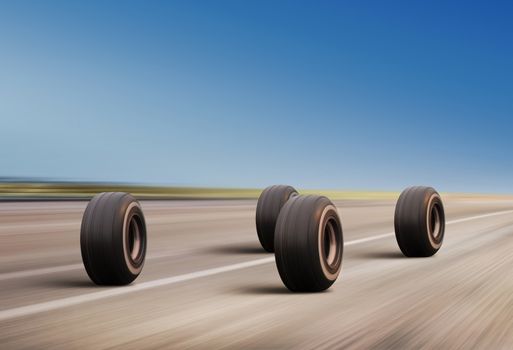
[(104, 241), (434, 199), (299, 244), (269, 205), (133, 210), (329, 214)]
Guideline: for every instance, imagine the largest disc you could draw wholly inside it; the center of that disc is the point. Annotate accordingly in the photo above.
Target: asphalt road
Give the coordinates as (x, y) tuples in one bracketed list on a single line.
[(208, 284)]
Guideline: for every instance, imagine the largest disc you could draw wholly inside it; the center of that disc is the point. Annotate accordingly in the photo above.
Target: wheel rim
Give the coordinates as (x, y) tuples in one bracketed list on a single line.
[(134, 238), (330, 243), (435, 225)]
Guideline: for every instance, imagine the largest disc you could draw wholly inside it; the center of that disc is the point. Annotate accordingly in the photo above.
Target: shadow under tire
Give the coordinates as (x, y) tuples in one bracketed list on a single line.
[(309, 244), (269, 205), (113, 238), (419, 221)]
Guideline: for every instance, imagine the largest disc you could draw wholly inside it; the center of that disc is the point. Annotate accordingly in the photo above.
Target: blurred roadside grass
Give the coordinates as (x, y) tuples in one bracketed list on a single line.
[(73, 190), (58, 190)]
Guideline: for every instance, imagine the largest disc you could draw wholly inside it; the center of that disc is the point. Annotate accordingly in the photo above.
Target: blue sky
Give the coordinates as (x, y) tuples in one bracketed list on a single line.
[(319, 94)]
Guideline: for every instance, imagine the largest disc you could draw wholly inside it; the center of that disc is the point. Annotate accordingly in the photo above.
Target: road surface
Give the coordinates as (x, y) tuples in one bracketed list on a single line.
[(207, 284)]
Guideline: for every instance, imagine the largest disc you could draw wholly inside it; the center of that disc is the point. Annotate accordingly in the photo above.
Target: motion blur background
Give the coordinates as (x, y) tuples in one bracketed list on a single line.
[(331, 94), (215, 100)]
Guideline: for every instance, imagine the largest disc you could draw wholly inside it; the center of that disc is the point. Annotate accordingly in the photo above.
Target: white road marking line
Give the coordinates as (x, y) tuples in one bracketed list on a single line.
[(64, 268), (369, 239), (37, 272), (79, 299), (451, 222), (84, 298), (457, 221)]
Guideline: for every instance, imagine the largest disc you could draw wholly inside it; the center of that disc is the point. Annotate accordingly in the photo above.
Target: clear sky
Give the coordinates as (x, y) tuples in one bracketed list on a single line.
[(319, 94)]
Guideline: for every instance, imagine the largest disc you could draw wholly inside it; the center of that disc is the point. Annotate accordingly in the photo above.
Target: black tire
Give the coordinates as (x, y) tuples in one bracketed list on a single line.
[(419, 221), (269, 204), (309, 244), (113, 238)]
